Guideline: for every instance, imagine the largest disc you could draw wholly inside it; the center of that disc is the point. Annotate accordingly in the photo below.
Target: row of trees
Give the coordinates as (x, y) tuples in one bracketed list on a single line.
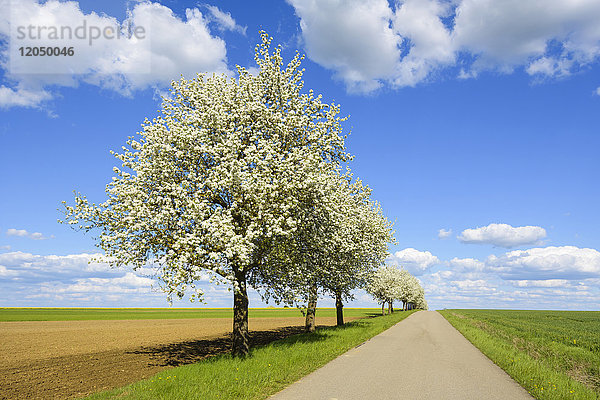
[(390, 283), (245, 179)]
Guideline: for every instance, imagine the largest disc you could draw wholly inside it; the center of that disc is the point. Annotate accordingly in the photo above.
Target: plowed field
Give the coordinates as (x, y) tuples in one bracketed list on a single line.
[(70, 359)]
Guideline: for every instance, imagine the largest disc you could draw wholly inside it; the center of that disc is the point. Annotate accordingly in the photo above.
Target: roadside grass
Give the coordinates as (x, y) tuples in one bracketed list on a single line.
[(552, 354), (86, 314), (265, 371)]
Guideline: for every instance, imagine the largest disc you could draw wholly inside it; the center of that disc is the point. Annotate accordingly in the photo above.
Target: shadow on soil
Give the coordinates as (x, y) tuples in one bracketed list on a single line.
[(189, 352)]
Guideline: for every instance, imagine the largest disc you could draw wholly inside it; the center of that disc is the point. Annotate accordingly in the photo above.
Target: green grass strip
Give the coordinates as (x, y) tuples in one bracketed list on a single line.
[(535, 375), (266, 370), (88, 314)]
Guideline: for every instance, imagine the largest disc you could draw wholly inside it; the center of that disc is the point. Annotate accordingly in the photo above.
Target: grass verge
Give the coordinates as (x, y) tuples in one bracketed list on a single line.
[(526, 346), (265, 371)]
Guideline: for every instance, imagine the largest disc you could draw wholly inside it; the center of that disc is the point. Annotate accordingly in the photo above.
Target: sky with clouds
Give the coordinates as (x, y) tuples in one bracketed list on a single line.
[(474, 121)]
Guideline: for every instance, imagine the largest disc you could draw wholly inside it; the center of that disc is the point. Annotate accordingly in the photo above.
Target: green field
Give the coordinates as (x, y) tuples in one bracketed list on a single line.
[(82, 314), (552, 354), (265, 371)]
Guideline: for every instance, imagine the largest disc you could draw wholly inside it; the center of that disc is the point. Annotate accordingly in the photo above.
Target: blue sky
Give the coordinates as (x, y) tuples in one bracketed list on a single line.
[(475, 122)]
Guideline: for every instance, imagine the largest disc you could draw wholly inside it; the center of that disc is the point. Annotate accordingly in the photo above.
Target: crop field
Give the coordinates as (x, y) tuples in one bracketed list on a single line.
[(552, 354), (85, 314), (68, 353)]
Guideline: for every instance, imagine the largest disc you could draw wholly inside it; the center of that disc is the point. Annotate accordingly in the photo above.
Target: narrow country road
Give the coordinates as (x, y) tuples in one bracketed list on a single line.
[(422, 357)]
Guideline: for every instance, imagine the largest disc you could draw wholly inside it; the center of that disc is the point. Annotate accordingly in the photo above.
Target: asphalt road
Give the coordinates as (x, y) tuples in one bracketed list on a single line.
[(421, 357)]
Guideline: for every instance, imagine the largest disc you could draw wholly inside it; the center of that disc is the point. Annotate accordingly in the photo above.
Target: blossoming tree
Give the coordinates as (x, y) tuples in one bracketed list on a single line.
[(340, 242), (217, 183), (359, 246), (390, 283)]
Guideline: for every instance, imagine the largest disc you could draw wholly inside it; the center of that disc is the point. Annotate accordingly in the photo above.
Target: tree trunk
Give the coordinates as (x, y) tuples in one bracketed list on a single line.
[(383, 308), (339, 306), (390, 307), (311, 310), (240, 316)]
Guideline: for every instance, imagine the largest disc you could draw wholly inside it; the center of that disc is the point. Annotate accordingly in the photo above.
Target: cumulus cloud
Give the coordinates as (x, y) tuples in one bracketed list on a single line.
[(542, 283), (469, 284), (128, 283), (466, 264), (33, 266), (74, 280), (354, 38), (224, 20), (549, 38), (22, 97), (413, 260), (24, 233), (428, 43), (494, 293), (123, 65), (564, 277), (5, 272), (565, 262), (503, 235), (372, 43), (444, 234)]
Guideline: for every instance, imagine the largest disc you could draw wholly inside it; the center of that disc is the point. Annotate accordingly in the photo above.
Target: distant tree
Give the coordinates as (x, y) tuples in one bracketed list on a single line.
[(218, 183), (385, 285), (390, 283), (411, 291), (415, 297)]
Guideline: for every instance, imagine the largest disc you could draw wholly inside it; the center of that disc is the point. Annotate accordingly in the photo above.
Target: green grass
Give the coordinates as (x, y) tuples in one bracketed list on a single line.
[(83, 314), (552, 354), (265, 371)]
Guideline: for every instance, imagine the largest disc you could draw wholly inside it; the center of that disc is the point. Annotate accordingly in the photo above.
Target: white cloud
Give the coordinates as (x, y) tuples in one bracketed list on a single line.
[(16, 232), (70, 280), (370, 43), (24, 233), (542, 283), (22, 97), (5, 272), (566, 262), (224, 20), (466, 264), (547, 66), (452, 289), (598, 91), (128, 283), (413, 260), (506, 34), (564, 277), (353, 38), (32, 266), (444, 234), (469, 284), (419, 24), (171, 46), (503, 235), (5, 247)]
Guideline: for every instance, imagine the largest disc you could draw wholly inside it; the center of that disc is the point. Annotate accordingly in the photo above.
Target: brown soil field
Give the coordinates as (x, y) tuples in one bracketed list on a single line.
[(71, 359)]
